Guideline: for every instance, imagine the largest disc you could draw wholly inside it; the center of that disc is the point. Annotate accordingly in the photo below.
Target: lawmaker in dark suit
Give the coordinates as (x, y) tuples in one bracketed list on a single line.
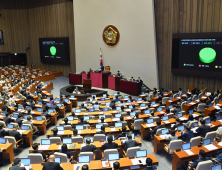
[(149, 164), (7, 119), (55, 107), (5, 107), (134, 108), (176, 110), (178, 123), (3, 132), (88, 147), (19, 121), (51, 164), (202, 130), (82, 122), (66, 122), (102, 131), (130, 143), (24, 104), (139, 81), (112, 104), (202, 157), (45, 113), (110, 144), (64, 150), (14, 133), (35, 147), (159, 126), (187, 135), (123, 134), (136, 117), (55, 131), (17, 165)]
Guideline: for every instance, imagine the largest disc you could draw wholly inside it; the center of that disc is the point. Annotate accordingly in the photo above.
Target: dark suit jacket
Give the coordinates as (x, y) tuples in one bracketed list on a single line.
[(7, 120), (195, 163), (45, 114), (15, 134), (52, 166), (176, 110), (101, 132), (121, 135), (202, 130), (24, 104), (19, 121), (130, 143), (102, 68), (110, 146), (82, 123), (88, 148), (3, 132), (54, 107), (52, 135), (4, 107), (16, 167), (43, 154), (156, 128), (149, 168), (187, 136), (32, 105)]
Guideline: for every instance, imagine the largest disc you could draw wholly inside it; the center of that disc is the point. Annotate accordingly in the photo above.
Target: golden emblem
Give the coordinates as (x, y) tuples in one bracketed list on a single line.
[(110, 35)]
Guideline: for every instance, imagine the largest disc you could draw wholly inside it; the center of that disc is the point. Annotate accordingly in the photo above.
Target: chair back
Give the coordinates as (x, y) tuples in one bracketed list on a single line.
[(200, 95), (12, 140), (204, 165), (109, 151), (164, 99), (212, 135), (77, 139), (158, 132), (90, 154), (36, 158), (191, 123), (131, 152), (86, 126), (193, 98), (163, 107), (201, 107), (55, 139), (138, 111), (99, 137), (156, 118), (67, 127), (137, 124), (170, 115), (195, 141), (2, 123), (174, 145), (123, 114), (63, 156), (108, 115), (124, 123)]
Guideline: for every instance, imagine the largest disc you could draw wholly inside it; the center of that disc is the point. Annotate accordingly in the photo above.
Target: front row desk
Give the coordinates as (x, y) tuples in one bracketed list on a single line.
[(105, 80)]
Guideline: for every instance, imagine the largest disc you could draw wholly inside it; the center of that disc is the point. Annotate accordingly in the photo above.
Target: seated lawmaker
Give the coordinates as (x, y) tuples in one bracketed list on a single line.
[(65, 150), (88, 147), (29, 121), (132, 79), (123, 134), (7, 119), (82, 121), (3, 132), (176, 110), (136, 117), (55, 131), (203, 129), (66, 120), (45, 113), (178, 123), (149, 164), (202, 157), (110, 144), (130, 142), (118, 73), (35, 147), (187, 135), (116, 165), (139, 81), (19, 120), (172, 136), (102, 131), (51, 164), (134, 108), (17, 165), (14, 133), (75, 133)]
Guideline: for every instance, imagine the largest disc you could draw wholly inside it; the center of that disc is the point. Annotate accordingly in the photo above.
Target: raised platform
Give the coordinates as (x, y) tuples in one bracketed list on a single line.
[(67, 90)]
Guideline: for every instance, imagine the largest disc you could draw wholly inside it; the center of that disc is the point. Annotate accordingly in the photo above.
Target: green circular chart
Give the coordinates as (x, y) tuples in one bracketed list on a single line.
[(207, 55), (53, 50)]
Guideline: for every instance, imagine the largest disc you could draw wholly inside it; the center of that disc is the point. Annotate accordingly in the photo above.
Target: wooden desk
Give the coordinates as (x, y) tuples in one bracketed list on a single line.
[(41, 125), (132, 88), (114, 82), (75, 78), (28, 137), (74, 101), (8, 152)]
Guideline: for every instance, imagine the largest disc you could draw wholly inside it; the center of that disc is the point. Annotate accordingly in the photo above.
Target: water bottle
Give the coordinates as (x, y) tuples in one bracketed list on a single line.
[(214, 141)]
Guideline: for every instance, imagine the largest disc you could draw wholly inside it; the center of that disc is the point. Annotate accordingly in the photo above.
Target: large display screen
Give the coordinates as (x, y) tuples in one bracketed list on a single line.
[(197, 54), (54, 50)]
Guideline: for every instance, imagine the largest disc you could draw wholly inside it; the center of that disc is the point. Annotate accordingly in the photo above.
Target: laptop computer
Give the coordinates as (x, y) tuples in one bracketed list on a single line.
[(2, 140), (179, 114), (165, 118), (118, 124), (91, 138), (19, 107), (60, 128), (181, 128), (86, 118), (93, 95), (59, 105), (106, 109), (12, 105), (188, 101), (126, 97), (149, 121), (84, 159), (206, 141), (186, 146), (104, 95), (147, 111), (39, 110), (118, 108), (143, 105), (164, 131), (26, 117), (113, 156), (4, 113), (170, 98), (141, 153), (107, 103), (79, 127), (66, 100), (67, 140), (39, 118), (153, 102), (15, 115), (10, 126), (63, 95), (216, 167), (170, 106), (50, 110), (118, 115), (85, 104), (45, 142), (132, 113), (218, 117), (48, 98), (207, 121), (195, 124), (25, 161), (29, 108), (58, 160), (130, 107), (98, 126), (91, 110), (114, 94), (57, 99), (190, 111), (139, 99), (24, 127), (159, 109), (210, 105), (77, 110), (48, 104), (70, 118)]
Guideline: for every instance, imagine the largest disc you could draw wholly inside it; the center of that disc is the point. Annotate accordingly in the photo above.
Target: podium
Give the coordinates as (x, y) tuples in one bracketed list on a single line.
[(114, 82), (87, 84)]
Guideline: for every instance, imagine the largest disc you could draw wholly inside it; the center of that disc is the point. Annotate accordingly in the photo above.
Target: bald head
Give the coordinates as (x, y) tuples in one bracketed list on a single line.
[(52, 158)]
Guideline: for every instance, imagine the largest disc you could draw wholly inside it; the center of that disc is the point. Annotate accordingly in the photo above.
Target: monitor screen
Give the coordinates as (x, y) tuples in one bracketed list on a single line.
[(143, 105), (195, 124), (170, 98), (181, 128), (132, 113), (70, 118), (104, 95), (12, 105), (85, 105), (143, 93), (179, 114), (2, 140), (39, 110), (118, 124), (77, 110), (165, 118), (149, 120), (24, 127), (107, 103), (50, 110), (141, 153), (26, 161), (10, 126), (29, 108), (59, 105), (39, 103), (195, 98), (190, 111), (218, 117), (86, 117), (15, 115), (91, 110), (72, 96), (139, 99), (60, 128), (114, 94), (84, 159), (170, 106), (48, 98), (39, 118), (156, 95), (188, 101), (79, 127), (48, 104), (159, 109), (164, 131), (63, 95), (113, 156), (153, 102), (117, 115), (45, 142), (207, 121), (19, 107), (118, 108), (66, 100), (186, 146), (106, 109), (102, 99), (57, 99), (67, 141), (91, 138), (206, 141), (130, 106), (126, 97), (216, 167), (210, 105), (147, 111), (98, 126), (58, 160)]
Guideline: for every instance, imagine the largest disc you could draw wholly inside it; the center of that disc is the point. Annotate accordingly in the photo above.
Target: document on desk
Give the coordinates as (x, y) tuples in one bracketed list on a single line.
[(220, 143), (195, 115), (105, 164), (162, 112), (183, 118), (194, 129), (217, 107), (204, 97), (142, 107), (79, 131), (150, 125), (60, 132), (113, 129), (21, 131), (115, 119), (210, 147), (76, 113), (127, 110), (166, 121), (179, 97), (128, 117), (82, 145), (197, 100), (44, 147), (101, 113), (136, 161), (164, 136), (85, 113), (155, 105), (189, 152), (170, 101), (114, 111), (192, 103), (220, 121), (140, 102)]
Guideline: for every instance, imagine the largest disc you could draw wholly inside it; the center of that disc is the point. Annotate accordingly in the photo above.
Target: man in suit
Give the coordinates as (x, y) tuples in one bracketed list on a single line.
[(51, 164), (66, 120), (29, 121), (123, 134), (102, 131), (3, 132), (17, 165), (14, 133), (85, 167), (23, 90), (7, 119), (154, 130), (202, 157), (176, 110), (101, 68), (35, 147), (202, 130), (132, 79), (178, 123), (130, 143), (18, 112), (116, 166), (55, 107), (110, 144), (44, 106), (112, 104), (82, 121), (45, 113), (32, 104), (149, 164), (4, 106), (118, 73), (88, 147), (1, 155), (11, 100), (19, 121), (140, 81), (24, 103), (117, 99), (39, 85), (136, 117), (96, 105), (187, 135), (55, 131)]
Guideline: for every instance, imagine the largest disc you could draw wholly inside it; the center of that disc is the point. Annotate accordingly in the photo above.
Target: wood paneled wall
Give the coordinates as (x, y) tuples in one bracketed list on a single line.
[(184, 16), (24, 22)]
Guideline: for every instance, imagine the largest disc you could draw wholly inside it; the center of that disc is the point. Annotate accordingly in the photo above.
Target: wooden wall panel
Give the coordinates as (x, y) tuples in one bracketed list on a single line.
[(184, 16)]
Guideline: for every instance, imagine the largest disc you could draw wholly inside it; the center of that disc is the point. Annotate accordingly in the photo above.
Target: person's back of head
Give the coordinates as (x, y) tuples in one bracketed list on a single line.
[(102, 119), (137, 115), (116, 165), (44, 110), (35, 146), (64, 148), (1, 126), (55, 131), (110, 139), (122, 108), (85, 167), (149, 162), (202, 153), (7, 114), (29, 111), (88, 141), (17, 161), (178, 120), (93, 97), (152, 113), (172, 132), (167, 110), (75, 131), (124, 129), (96, 103), (29, 118), (129, 136), (81, 118), (121, 118), (190, 117), (82, 105), (158, 123), (187, 128), (202, 121)]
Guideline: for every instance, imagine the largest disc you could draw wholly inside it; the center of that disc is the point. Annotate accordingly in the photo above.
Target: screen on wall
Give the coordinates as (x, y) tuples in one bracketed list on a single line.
[(197, 54), (54, 50), (1, 38)]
